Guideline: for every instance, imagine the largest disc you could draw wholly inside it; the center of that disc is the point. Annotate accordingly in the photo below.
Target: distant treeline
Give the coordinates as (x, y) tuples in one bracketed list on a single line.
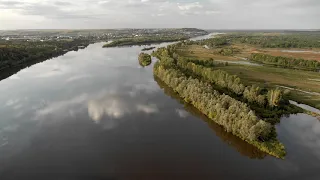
[(293, 40), (286, 62), (144, 40), (15, 55), (211, 42)]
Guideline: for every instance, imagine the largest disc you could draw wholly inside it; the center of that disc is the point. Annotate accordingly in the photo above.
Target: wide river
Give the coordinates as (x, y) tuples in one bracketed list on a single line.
[(96, 114)]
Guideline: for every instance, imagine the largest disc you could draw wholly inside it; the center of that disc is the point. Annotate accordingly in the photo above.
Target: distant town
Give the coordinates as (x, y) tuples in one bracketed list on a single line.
[(96, 35)]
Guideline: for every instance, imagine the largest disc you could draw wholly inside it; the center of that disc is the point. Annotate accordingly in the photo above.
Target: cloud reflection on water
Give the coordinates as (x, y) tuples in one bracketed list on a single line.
[(78, 77), (60, 108), (306, 130), (116, 105), (182, 113)]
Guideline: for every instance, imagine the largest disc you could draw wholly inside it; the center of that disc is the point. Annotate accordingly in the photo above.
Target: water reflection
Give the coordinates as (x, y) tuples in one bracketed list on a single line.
[(78, 77), (211, 35), (241, 146), (115, 105), (59, 109), (305, 130), (104, 117)]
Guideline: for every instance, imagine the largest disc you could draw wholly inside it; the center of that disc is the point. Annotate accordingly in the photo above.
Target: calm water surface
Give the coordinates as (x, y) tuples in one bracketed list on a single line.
[(96, 114)]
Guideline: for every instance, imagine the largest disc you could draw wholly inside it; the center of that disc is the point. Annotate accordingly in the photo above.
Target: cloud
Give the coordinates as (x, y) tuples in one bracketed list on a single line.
[(189, 6), (11, 4), (217, 14), (63, 3)]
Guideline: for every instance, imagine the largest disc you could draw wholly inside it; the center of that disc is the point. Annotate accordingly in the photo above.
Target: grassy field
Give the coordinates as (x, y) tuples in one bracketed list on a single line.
[(246, 50), (304, 53), (275, 77), (307, 54), (311, 100), (265, 76), (201, 53)]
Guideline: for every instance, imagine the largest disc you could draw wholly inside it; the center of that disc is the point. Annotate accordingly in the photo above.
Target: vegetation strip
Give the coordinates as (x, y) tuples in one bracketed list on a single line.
[(286, 62), (235, 116)]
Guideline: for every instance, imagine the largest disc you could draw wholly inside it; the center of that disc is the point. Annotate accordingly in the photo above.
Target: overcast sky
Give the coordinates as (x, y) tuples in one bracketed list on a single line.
[(207, 14)]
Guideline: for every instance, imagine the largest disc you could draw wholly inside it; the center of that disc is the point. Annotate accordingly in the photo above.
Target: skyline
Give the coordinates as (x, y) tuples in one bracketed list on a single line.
[(115, 14)]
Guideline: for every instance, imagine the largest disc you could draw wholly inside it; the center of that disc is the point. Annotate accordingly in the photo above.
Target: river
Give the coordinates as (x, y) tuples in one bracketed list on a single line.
[(96, 114)]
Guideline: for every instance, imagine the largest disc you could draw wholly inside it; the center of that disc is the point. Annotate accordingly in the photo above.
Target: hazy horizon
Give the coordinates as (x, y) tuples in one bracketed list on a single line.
[(203, 14), (161, 28)]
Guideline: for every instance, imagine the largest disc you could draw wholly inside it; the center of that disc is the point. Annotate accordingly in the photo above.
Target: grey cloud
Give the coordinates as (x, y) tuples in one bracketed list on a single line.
[(49, 11), (62, 3), (11, 4), (217, 14)]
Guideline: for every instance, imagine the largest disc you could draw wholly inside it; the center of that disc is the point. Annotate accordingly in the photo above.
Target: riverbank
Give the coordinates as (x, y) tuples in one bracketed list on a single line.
[(260, 130), (15, 56)]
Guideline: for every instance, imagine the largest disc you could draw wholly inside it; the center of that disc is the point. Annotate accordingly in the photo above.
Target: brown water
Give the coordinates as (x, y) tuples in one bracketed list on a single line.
[(96, 114)]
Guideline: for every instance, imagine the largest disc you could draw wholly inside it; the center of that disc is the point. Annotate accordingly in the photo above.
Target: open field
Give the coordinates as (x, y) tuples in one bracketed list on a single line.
[(201, 53), (298, 79), (275, 77), (304, 98), (304, 80), (294, 53), (246, 50), (265, 76), (307, 54)]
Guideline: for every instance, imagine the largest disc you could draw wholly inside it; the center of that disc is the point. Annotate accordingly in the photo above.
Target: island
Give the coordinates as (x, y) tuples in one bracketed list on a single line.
[(144, 59), (144, 40)]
